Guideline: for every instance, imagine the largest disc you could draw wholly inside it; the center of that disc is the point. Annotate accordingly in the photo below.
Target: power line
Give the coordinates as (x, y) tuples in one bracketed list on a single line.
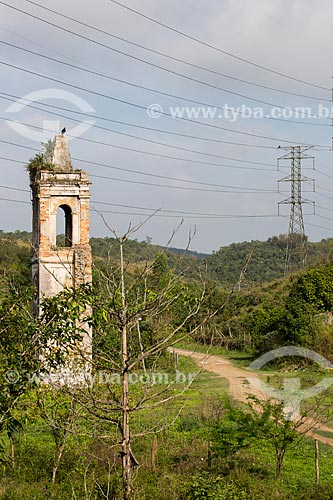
[(16, 201), (149, 153), (265, 68), (19, 145), (86, 25), (294, 32), (250, 191), (188, 150), (213, 216), (324, 208), (182, 212), (324, 217), (324, 173), (320, 227), (122, 101), (325, 189), (5, 95), (324, 195), (185, 217), (149, 174), (217, 216), (155, 91), (14, 188), (41, 45), (140, 59), (184, 188)]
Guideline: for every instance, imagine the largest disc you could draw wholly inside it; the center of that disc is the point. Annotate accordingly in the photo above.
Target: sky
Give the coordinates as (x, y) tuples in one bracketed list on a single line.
[(251, 60)]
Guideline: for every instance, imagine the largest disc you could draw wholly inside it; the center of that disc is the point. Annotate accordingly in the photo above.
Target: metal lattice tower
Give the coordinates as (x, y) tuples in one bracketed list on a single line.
[(297, 241)]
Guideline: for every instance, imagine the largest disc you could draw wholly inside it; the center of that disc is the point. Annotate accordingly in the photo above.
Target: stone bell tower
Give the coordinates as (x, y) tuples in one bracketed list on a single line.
[(55, 184)]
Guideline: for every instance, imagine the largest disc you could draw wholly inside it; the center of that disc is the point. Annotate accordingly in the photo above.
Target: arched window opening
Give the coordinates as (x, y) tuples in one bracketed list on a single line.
[(64, 226)]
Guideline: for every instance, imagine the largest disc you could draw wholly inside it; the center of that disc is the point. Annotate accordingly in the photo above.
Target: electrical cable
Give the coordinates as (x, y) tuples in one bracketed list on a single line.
[(149, 153), (155, 91), (86, 25), (140, 59), (213, 46), (188, 150), (250, 191), (169, 115), (16, 98), (202, 215)]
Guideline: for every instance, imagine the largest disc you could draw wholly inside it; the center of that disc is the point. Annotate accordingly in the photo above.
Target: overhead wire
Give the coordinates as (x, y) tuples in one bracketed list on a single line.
[(16, 98), (201, 42), (188, 150), (180, 213), (136, 58), (164, 94), (168, 56), (184, 214), (169, 115), (149, 153), (195, 122), (244, 190)]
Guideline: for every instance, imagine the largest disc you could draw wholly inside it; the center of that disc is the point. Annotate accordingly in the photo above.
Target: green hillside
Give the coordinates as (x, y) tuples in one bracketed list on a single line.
[(62, 444), (222, 266), (267, 260)]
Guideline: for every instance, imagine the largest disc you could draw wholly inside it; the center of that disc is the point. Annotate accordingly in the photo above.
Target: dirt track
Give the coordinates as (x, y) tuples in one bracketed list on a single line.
[(243, 382)]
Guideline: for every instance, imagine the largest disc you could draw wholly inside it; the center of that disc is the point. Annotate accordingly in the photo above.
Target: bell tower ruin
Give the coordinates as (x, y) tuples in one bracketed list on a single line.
[(56, 185)]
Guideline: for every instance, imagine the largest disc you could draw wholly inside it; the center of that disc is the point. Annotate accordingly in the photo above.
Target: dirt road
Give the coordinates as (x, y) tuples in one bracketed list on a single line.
[(243, 382)]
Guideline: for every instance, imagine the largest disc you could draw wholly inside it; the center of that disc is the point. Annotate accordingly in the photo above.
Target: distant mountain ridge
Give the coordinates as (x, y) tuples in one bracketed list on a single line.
[(222, 266)]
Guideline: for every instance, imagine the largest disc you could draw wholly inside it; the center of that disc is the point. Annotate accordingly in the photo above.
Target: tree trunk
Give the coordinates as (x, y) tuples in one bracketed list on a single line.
[(12, 452), (57, 461), (126, 445), (317, 460), (209, 455), (153, 453), (141, 345), (279, 463)]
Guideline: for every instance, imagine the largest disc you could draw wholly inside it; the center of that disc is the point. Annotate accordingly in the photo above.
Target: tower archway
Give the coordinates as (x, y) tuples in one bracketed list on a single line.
[(65, 225)]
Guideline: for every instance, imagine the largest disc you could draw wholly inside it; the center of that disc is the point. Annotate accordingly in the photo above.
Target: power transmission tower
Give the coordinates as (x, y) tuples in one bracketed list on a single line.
[(297, 242)]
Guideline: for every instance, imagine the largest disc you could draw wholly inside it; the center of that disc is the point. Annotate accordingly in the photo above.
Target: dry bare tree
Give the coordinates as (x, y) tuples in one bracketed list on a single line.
[(138, 312)]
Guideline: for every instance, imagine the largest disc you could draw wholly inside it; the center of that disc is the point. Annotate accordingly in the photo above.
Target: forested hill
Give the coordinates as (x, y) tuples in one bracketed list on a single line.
[(223, 266), (266, 259)]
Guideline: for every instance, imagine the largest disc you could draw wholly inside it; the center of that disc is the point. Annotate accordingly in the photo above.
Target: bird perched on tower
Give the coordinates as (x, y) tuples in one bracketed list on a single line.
[(63, 132)]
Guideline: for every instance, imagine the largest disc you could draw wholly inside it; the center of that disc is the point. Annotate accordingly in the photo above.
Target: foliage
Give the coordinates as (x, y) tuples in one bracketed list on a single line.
[(32, 346), (315, 287), (61, 324), (205, 487), (233, 433), (90, 466), (18, 356), (270, 424), (37, 164)]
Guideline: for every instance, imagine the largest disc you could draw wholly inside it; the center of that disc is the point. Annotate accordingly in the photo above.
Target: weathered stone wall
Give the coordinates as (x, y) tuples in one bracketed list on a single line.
[(54, 268), (61, 157)]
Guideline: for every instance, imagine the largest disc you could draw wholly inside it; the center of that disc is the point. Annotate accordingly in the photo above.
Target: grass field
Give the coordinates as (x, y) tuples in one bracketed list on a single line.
[(183, 468)]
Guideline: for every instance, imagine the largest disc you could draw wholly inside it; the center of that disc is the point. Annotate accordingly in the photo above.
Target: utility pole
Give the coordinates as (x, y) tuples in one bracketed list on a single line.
[(297, 241)]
